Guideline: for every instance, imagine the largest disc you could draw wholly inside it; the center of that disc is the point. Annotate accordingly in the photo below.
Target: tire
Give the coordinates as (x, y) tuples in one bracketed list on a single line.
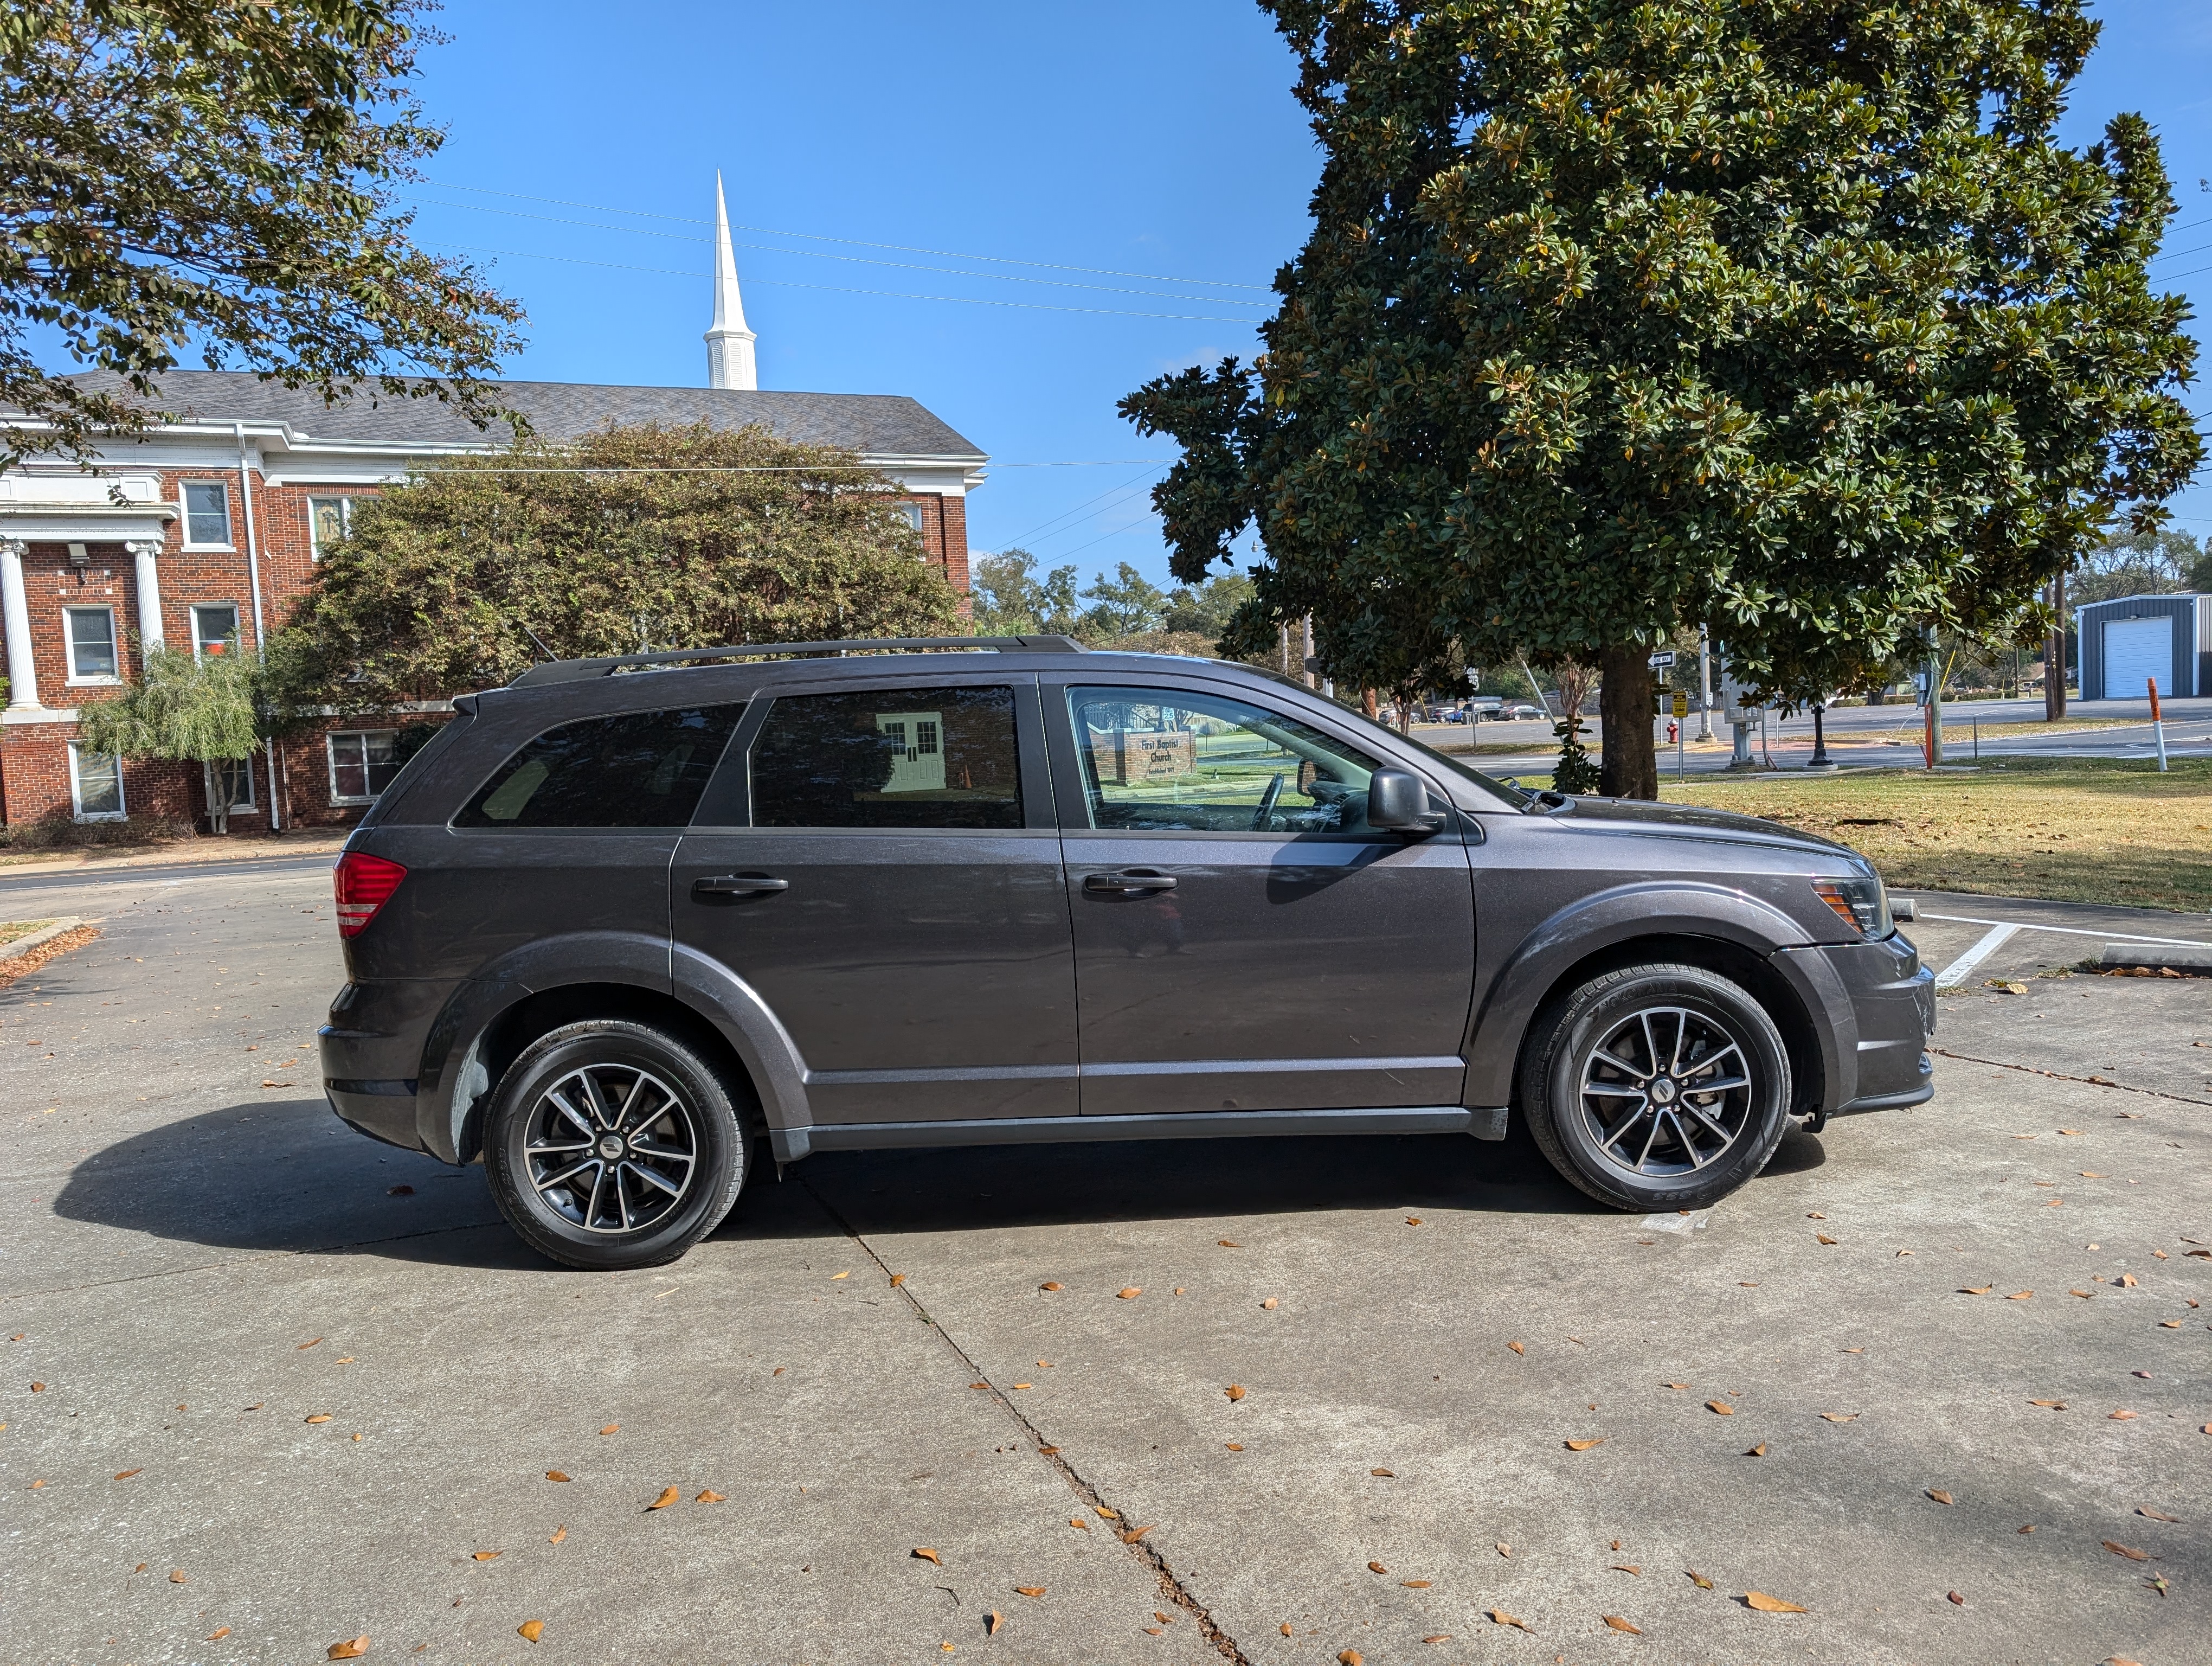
[(659, 1165), (1591, 1089)]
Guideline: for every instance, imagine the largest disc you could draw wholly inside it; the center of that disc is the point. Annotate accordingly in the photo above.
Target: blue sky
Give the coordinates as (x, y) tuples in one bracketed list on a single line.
[(1144, 160)]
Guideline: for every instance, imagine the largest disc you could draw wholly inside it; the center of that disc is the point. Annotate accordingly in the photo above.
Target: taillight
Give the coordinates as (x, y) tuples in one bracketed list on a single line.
[(364, 884)]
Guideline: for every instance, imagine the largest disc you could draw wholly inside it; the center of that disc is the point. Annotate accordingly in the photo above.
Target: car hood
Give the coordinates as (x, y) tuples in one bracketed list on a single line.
[(1632, 816)]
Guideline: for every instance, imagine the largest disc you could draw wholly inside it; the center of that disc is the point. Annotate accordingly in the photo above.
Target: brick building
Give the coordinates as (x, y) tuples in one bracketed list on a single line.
[(205, 532)]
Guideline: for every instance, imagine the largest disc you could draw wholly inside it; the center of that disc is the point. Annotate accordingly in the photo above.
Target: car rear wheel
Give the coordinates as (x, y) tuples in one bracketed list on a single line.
[(1657, 1087), (612, 1144)]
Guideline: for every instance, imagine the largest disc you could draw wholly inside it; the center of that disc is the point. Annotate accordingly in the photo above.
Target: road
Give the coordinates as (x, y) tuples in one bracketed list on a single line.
[(298, 1388)]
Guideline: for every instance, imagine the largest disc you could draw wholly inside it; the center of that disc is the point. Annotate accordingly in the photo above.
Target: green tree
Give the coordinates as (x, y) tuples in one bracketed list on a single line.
[(1009, 600), (1207, 610), (2141, 564), (628, 540), (218, 175), (1127, 604), (1792, 318), (196, 710)]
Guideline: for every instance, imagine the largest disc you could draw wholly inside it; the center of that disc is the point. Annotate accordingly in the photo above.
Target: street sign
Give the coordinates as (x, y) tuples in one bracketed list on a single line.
[(1681, 703), (1663, 660)]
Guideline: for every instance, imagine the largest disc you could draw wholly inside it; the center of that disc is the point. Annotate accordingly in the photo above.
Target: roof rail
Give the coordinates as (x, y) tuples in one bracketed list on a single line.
[(573, 670)]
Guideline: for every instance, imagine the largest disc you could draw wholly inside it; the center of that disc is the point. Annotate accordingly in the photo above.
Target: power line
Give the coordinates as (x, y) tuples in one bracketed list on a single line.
[(841, 290), (859, 259), (855, 242), (1041, 528)]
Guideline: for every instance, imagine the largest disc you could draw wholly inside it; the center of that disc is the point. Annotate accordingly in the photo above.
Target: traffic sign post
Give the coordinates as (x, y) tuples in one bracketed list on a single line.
[(1682, 730), (1663, 660), (2157, 722)]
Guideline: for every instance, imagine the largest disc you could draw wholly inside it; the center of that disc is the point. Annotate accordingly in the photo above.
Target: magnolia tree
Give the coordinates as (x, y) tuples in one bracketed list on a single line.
[(199, 710), (627, 540), (1796, 321)]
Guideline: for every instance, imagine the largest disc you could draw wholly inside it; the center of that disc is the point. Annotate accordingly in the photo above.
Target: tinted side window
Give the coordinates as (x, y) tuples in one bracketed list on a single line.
[(640, 769), (888, 758)]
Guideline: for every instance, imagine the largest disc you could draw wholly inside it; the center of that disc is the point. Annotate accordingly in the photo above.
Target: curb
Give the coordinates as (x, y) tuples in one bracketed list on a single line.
[(39, 939), (2126, 956)]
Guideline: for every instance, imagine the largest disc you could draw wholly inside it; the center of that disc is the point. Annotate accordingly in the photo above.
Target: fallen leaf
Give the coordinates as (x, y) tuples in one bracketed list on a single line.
[(1822, 1237), (1130, 1292), (1627, 1568), (1349, 1657), (1078, 1522), (1271, 1303), (1229, 1244), (1232, 1446), (218, 1634), (1505, 1549), (834, 1277), (1517, 1348), (1698, 1579), (485, 1555), (668, 1495), (1052, 1284), (1976, 1289), (2019, 1295), (2084, 1294), (1851, 1350), (559, 1534), (1376, 1567), (611, 1427), (2030, 1528), (2129, 1551), (125, 1475), (1387, 1475), (2127, 1280), (2072, 1133), (1759, 1451), (1720, 1407), (556, 1475), (1416, 1584), (2052, 1405), (1621, 1625), (1940, 1497), (1955, 1597), (923, 1552), (352, 1649), (399, 1191), (304, 1347), (897, 1279), (177, 1576), (36, 1485), (1841, 1417), (1024, 1385), (321, 1417), (1674, 1385), (1137, 1533), (1441, 1637), (992, 1621), (1029, 1590), (1286, 1627), (1412, 1220), (2169, 1324), (1584, 1445), (1505, 1619), (2155, 1515), (532, 1630), (710, 1496), (979, 1385), (1235, 1391), (2119, 1417), (1766, 1604)]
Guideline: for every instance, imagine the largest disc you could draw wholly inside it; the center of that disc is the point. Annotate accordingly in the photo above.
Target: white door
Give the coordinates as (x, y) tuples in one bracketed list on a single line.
[(918, 762), (2136, 650)]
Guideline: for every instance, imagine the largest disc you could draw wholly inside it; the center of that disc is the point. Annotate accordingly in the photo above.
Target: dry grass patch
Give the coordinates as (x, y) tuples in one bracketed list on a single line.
[(2073, 830)]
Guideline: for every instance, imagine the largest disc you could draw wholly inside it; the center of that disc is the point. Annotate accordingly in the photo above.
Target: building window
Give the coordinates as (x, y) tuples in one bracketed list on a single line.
[(231, 778), (362, 764), (912, 514), (329, 519), (215, 628), (207, 514), (90, 640), (95, 785)]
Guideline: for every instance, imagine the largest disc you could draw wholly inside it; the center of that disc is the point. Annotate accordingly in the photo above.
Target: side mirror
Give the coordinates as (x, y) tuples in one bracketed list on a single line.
[(1397, 802)]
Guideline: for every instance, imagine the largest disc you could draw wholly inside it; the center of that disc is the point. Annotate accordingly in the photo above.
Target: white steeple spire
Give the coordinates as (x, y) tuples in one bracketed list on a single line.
[(729, 343)]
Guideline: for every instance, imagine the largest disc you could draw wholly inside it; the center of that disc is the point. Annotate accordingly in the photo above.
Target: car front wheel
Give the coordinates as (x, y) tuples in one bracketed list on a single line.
[(1657, 1087), (611, 1145)]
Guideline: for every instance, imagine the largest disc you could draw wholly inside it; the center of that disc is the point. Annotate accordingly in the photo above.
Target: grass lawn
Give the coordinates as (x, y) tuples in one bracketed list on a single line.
[(12, 929), (2072, 829)]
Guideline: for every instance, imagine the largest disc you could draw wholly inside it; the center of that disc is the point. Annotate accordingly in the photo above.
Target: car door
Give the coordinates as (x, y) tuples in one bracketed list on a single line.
[(1243, 940), (880, 863)]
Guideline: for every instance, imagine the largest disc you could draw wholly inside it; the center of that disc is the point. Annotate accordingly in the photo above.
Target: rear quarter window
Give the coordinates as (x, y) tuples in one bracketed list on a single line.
[(637, 770)]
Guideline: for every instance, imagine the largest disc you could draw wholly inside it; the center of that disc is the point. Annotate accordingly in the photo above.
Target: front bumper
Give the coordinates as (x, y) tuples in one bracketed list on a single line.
[(1892, 998)]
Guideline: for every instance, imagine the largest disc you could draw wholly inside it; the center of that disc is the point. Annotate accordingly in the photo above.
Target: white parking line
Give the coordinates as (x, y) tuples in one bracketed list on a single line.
[(1962, 968), (2070, 931)]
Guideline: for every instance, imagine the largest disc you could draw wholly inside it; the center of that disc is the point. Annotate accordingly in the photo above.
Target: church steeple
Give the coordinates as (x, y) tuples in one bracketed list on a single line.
[(729, 343)]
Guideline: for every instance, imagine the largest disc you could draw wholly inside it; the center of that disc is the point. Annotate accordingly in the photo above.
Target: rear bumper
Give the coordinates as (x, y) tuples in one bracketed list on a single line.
[(381, 1109), (370, 1052)]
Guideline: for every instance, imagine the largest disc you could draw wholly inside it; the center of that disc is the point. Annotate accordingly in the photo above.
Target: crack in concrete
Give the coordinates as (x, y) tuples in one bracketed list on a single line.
[(1171, 1587), (2060, 1076)]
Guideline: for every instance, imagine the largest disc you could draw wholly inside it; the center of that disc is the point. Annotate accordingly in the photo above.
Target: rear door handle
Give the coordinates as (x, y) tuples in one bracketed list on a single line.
[(738, 885), (1136, 882)]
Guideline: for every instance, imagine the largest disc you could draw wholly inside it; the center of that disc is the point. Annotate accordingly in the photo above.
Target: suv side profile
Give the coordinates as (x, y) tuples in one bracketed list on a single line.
[(624, 920)]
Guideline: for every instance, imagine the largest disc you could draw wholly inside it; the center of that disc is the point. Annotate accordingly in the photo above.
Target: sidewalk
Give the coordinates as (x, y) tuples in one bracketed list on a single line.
[(185, 852)]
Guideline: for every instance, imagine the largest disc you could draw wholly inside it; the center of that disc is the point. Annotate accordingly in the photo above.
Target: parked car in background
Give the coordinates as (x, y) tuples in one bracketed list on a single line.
[(1518, 713), (626, 926)]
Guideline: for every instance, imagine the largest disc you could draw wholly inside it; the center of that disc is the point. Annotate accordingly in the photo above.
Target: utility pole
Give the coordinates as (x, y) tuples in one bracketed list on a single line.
[(1308, 662), (1705, 684), (2054, 655)]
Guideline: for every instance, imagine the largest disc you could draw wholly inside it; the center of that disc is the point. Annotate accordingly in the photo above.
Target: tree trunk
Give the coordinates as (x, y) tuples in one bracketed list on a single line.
[(1627, 769)]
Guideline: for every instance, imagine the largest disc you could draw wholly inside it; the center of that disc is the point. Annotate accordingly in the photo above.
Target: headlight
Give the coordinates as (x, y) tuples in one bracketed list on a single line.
[(1862, 904)]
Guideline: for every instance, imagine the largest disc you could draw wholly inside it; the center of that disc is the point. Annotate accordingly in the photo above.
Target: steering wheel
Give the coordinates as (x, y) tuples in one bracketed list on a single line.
[(1260, 817)]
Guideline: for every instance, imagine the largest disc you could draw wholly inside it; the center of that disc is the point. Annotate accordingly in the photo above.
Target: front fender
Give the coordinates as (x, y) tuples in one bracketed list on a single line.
[(1506, 1005)]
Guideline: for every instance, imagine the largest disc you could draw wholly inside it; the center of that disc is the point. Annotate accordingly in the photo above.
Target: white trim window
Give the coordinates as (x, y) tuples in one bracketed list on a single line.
[(237, 773), (89, 641), (915, 514), (329, 519), (207, 514), (362, 764), (215, 628), (95, 785)]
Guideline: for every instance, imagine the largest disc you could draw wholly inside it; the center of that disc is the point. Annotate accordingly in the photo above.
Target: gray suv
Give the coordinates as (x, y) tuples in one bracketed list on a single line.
[(626, 919)]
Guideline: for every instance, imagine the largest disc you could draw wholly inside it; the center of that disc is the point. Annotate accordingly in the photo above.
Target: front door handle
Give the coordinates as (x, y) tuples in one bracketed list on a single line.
[(1137, 882), (738, 885)]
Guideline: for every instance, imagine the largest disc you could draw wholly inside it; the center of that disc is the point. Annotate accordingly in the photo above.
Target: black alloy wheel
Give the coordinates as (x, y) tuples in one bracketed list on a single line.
[(613, 1145)]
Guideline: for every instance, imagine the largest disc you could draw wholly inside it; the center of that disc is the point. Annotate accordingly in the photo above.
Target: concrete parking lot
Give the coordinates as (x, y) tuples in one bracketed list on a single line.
[(1938, 1379)]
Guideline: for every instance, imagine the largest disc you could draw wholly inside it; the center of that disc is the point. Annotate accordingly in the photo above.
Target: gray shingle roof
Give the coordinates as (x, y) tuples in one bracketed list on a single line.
[(873, 424)]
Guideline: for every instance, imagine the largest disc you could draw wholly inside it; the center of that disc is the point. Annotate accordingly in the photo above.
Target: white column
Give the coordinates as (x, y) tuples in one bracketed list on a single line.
[(144, 550), (23, 671)]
